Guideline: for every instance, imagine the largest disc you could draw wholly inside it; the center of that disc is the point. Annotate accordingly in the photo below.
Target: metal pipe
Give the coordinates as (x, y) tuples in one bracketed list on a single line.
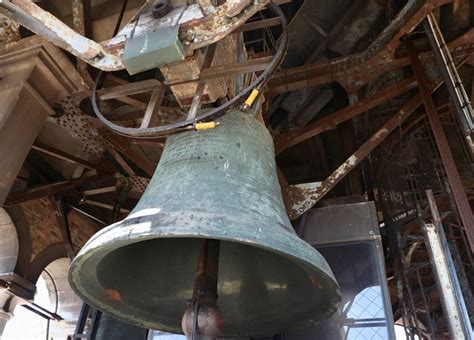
[(445, 275), (450, 75)]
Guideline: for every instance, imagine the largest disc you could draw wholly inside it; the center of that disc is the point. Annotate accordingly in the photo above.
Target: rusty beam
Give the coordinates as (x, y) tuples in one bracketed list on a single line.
[(121, 144), (52, 189), (153, 107), (255, 25), (346, 130), (129, 89), (286, 140), (49, 150), (81, 23), (454, 180), (354, 71), (313, 196), (249, 66)]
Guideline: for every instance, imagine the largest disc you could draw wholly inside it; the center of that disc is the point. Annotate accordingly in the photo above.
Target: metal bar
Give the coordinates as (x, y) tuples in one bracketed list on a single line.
[(286, 140), (82, 24), (81, 322), (358, 69), (239, 79), (121, 144), (102, 205), (255, 25), (129, 89), (85, 213), (451, 296), (63, 224), (196, 103), (452, 174), (448, 70), (348, 15), (313, 196), (153, 107), (122, 162), (52, 189), (49, 150), (99, 191)]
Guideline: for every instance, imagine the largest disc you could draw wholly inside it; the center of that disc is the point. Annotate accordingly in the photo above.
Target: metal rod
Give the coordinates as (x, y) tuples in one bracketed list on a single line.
[(454, 179), (196, 103), (448, 71), (445, 275)]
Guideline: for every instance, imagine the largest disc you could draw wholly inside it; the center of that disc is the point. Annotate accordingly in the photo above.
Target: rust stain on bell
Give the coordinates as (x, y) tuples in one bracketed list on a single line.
[(113, 294)]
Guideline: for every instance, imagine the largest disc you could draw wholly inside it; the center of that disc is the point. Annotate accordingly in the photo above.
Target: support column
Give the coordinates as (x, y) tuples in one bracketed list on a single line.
[(451, 296)]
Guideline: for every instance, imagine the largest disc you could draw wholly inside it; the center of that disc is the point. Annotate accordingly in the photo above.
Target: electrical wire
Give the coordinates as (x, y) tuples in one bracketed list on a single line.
[(257, 84)]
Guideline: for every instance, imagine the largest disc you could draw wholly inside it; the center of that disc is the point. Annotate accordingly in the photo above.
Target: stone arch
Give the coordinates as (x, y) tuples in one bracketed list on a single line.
[(54, 294), (8, 243), (47, 256), (62, 297)]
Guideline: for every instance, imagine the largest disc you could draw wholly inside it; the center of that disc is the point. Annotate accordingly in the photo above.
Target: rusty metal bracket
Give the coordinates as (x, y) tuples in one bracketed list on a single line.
[(196, 30)]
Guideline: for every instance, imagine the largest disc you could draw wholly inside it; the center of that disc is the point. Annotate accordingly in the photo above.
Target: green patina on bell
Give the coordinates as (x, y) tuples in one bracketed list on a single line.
[(216, 184)]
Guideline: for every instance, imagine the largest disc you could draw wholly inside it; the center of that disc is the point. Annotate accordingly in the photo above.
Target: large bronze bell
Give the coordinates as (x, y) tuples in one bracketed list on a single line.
[(221, 185)]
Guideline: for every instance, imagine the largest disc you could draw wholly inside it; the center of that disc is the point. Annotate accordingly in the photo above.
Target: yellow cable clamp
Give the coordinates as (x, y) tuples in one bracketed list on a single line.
[(251, 98), (205, 126)]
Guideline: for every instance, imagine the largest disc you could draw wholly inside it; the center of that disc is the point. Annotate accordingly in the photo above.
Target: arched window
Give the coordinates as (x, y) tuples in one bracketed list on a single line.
[(54, 294)]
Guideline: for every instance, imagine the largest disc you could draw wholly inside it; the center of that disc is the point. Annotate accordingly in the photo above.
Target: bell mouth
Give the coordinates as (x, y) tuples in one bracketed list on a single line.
[(148, 282)]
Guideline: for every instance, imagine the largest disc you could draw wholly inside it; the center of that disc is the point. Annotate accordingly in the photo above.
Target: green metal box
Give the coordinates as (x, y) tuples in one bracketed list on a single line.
[(152, 50)]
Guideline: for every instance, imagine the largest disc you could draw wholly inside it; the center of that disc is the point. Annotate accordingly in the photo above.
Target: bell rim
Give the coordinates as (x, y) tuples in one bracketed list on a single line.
[(137, 235)]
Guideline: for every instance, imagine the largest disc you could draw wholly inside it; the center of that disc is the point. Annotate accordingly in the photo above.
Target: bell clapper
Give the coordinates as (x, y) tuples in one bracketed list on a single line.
[(202, 320)]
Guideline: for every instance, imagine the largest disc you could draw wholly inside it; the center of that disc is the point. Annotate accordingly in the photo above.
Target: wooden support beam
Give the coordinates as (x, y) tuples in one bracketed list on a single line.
[(454, 179), (289, 139)]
